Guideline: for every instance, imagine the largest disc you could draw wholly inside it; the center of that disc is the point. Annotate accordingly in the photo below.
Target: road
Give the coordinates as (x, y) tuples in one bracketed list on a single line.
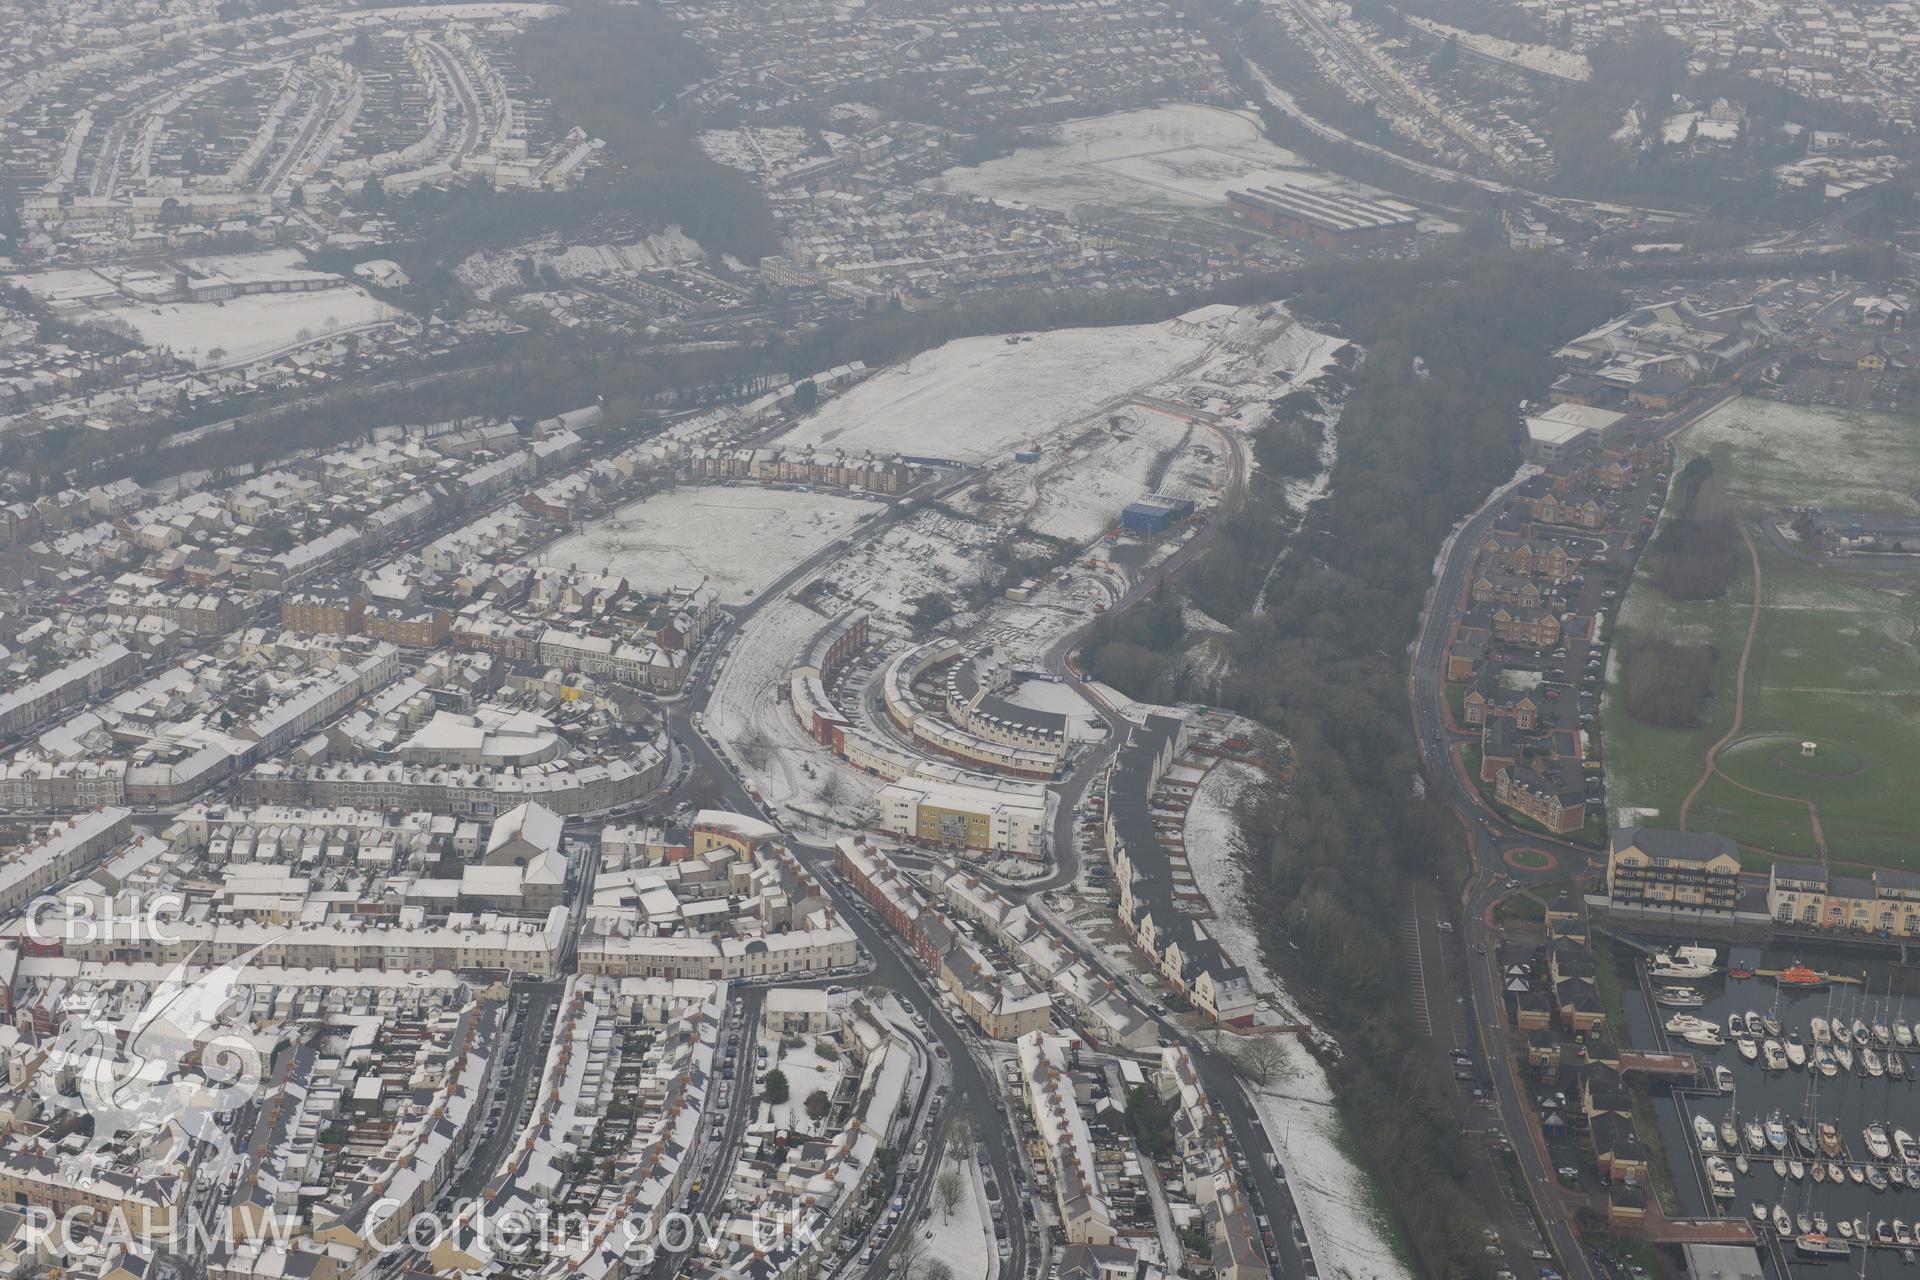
[(1491, 838), (716, 1155), (512, 1092), (973, 1089), (1091, 762)]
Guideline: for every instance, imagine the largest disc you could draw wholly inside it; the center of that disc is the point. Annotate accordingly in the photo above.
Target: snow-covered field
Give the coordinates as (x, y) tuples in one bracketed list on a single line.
[(215, 334), (1082, 487), (977, 399), (740, 539), (746, 712), (1842, 459), (1180, 155), (222, 334)]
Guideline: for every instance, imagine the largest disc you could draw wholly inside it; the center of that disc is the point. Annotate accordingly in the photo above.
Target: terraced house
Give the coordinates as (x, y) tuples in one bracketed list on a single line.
[(1808, 893)]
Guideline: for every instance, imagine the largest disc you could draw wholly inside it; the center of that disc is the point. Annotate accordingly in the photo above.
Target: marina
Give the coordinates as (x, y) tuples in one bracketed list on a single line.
[(1805, 1118)]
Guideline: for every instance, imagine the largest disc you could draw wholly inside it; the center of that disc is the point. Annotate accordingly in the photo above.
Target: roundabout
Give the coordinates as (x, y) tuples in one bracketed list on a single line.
[(1529, 859)]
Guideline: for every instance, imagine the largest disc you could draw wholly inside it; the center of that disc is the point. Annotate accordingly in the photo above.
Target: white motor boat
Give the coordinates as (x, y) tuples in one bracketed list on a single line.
[(1796, 1052), (1684, 962)]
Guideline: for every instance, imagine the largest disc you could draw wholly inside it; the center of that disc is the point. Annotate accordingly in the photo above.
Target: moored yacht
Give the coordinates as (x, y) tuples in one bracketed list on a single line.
[(1843, 1055), (1827, 1134), (1682, 998), (1747, 1047), (1902, 1034), (1684, 962), (1796, 1052), (1704, 1135), (1776, 1129), (1870, 1062), (1821, 1035), (1878, 1145), (1723, 1076)]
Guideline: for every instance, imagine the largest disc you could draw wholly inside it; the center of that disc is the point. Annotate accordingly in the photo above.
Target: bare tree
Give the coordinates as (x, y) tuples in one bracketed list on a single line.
[(948, 1188), (1261, 1059), (833, 788), (934, 1269), (908, 1246), (755, 747)]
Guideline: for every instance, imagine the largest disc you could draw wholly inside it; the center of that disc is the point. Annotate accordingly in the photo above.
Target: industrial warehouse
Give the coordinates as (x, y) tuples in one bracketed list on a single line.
[(1331, 219)]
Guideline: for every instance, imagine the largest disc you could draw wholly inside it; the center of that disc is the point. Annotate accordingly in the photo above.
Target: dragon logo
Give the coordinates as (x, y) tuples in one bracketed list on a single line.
[(157, 1081)]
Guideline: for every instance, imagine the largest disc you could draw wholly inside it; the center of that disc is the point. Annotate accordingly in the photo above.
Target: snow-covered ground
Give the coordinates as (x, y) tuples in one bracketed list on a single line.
[(763, 149), (223, 334), (1331, 1190), (1169, 160), (1537, 57), (739, 539), (1348, 1239), (746, 711), (1842, 459), (963, 1241), (977, 399), (806, 1072), (1214, 856), (1080, 490), (1180, 155), (930, 551), (491, 271), (1062, 699), (219, 334)]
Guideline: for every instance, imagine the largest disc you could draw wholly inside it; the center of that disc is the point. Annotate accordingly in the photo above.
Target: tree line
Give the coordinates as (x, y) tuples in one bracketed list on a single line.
[(1452, 345)]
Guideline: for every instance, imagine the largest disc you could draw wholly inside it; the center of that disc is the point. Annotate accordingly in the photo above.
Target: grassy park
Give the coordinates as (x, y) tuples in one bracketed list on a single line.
[(1835, 659)]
